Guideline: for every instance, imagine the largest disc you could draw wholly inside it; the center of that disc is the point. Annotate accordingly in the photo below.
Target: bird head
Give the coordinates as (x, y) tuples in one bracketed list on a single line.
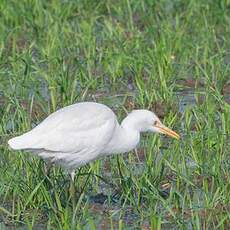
[(145, 120)]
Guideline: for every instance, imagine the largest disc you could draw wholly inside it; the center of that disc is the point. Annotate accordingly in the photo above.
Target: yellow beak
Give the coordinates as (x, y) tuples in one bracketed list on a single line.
[(165, 130)]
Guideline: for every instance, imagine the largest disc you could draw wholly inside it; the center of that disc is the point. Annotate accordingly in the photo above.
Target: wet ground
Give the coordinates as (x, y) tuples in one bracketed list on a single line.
[(107, 200)]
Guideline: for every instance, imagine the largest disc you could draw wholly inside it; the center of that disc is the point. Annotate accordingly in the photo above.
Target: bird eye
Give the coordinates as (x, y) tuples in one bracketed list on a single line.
[(155, 123)]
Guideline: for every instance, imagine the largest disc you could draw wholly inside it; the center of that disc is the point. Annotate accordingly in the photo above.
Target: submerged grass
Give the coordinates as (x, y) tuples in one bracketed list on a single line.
[(127, 54)]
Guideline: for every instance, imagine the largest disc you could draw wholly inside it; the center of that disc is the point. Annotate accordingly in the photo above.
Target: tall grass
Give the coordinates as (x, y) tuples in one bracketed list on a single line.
[(127, 54)]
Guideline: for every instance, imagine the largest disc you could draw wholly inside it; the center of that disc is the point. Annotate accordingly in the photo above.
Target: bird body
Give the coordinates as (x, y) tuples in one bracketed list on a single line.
[(83, 132)]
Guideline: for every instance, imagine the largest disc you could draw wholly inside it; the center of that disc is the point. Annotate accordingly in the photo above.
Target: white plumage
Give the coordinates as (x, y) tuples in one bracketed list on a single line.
[(82, 132)]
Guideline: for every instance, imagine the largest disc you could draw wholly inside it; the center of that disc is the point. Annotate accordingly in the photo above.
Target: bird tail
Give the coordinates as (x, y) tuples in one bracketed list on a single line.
[(16, 143)]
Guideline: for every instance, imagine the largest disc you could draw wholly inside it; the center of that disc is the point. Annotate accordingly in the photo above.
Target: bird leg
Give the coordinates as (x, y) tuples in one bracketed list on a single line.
[(72, 189)]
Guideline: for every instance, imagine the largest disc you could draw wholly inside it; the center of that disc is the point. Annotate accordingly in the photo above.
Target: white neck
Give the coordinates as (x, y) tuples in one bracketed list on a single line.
[(125, 138)]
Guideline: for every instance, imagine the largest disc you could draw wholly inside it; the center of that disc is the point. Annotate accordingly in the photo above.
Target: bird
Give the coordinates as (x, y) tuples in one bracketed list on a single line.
[(83, 132)]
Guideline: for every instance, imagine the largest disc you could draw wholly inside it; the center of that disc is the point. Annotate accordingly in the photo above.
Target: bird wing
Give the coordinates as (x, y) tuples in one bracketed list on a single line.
[(77, 128)]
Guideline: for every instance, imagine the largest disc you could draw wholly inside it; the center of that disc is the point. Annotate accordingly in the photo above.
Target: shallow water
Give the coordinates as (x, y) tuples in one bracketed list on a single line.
[(185, 98)]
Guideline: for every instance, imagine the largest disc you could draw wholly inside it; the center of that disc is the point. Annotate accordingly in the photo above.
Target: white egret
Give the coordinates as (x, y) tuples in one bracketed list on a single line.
[(82, 132)]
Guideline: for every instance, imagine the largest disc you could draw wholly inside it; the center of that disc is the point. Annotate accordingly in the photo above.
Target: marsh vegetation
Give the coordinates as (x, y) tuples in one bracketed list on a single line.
[(172, 57)]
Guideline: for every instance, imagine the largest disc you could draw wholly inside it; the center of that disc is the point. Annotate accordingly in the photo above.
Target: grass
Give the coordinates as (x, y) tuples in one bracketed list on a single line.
[(126, 54)]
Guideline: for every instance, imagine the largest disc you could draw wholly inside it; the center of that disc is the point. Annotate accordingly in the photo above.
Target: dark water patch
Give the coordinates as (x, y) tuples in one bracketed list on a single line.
[(226, 89), (226, 92), (190, 83), (105, 215), (185, 98), (102, 198)]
